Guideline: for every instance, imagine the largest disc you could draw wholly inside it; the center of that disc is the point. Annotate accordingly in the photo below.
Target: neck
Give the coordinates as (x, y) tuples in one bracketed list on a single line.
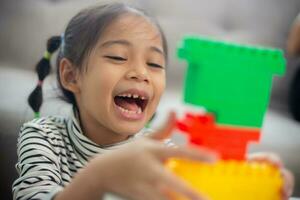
[(96, 132)]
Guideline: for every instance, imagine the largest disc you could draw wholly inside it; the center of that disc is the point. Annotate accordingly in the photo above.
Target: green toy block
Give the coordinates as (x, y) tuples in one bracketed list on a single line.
[(233, 81)]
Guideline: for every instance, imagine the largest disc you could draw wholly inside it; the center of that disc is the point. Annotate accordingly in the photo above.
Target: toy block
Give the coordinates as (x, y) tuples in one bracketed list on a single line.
[(231, 81)]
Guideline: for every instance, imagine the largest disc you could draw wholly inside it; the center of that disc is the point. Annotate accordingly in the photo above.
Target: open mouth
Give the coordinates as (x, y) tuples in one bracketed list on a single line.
[(131, 103)]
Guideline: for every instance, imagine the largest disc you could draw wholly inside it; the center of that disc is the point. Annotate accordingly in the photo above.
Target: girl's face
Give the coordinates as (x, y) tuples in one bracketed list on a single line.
[(124, 78)]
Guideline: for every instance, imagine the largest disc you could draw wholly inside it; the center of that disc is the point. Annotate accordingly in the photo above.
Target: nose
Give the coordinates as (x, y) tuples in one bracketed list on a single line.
[(138, 73)]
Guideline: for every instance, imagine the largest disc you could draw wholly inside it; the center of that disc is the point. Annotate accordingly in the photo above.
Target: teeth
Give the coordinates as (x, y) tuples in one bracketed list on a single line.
[(131, 112), (139, 111), (122, 109), (136, 96)]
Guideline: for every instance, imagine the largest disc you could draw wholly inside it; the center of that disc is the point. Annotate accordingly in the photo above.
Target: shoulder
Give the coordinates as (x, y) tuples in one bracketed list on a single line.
[(49, 125), (39, 153), (45, 122), (49, 129)]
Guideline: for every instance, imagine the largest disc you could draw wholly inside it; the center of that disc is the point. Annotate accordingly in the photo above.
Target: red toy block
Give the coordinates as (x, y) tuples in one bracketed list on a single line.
[(230, 142)]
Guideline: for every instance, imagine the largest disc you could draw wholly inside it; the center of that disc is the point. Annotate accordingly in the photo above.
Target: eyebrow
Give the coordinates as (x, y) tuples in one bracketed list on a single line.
[(158, 50), (127, 43), (112, 42)]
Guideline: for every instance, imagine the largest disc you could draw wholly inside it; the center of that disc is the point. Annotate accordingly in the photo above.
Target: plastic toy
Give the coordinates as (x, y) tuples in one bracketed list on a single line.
[(233, 82), (230, 180), (229, 142)]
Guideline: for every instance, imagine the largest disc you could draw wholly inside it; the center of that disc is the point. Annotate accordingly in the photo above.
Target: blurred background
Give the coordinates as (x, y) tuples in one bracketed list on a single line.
[(26, 25)]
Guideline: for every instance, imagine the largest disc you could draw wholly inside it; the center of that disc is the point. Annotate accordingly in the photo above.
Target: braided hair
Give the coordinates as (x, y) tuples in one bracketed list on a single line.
[(43, 68), (80, 37)]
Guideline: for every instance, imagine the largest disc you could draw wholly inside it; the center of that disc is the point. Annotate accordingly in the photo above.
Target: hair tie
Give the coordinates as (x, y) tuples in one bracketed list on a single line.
[(47, 55), (40, 83)]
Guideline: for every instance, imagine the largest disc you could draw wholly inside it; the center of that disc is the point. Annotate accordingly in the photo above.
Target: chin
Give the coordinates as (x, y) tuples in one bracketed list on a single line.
[(128, 128)]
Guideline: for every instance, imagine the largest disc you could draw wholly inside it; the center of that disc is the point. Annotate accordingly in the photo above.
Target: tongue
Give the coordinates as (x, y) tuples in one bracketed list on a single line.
[(127, 103)]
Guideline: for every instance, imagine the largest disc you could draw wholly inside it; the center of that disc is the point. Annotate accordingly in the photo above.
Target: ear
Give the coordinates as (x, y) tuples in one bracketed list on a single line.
[(69, 76)]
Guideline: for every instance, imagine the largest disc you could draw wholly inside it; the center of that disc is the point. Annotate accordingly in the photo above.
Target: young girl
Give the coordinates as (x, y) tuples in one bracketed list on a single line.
[(111, 67)]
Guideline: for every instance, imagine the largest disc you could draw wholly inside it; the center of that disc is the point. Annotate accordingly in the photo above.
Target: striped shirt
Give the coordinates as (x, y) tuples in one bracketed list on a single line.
[(50, 152)]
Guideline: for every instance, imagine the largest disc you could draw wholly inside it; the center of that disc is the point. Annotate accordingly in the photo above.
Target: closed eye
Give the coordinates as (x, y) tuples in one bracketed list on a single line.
[(155, 65), (117, 58)]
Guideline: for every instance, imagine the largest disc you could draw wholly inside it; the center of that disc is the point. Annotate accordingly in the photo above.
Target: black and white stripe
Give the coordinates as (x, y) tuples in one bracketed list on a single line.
[(50, 152)]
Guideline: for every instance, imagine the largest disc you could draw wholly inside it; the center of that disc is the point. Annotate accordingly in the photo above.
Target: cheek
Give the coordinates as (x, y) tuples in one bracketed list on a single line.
[(159, 84), (98, 86), (107, 76)]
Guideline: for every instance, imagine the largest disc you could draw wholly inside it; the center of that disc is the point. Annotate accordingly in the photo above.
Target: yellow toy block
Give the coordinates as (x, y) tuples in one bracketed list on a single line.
[(230, 180)]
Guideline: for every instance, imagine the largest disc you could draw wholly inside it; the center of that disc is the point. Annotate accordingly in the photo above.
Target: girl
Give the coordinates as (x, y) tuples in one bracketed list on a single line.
[(111, 67)]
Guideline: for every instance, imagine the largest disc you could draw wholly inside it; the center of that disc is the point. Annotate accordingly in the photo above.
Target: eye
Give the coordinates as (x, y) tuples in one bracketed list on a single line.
[(155, 65), (117, 58)]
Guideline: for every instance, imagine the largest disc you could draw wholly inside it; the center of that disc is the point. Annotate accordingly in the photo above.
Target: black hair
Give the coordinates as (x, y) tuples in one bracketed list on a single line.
[(43, 68), (80, 37)]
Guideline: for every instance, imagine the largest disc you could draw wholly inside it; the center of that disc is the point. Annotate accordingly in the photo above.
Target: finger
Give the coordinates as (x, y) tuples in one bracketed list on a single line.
[(155, 193), (265, 157), (132, 193), (179, 186), (166, 191), (190, 153), (166, 130), (172, 195), (289, 182), (147, 192)]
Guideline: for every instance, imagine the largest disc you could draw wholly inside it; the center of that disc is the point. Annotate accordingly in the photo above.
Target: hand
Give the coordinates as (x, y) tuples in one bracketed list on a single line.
[(137, 171), (293, 41), (275, 160)]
